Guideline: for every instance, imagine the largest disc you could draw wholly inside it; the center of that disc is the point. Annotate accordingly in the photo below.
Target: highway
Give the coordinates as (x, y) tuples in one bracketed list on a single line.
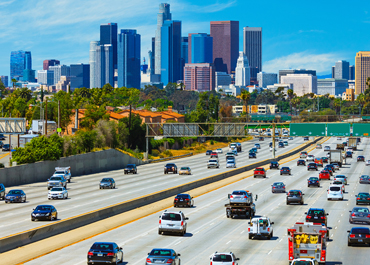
[(209, 230), (85, 195)]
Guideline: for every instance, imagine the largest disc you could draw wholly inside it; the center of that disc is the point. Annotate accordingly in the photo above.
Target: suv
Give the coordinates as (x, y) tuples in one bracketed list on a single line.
[(57, 181), (170, 167), (224, 258), (6, 147), (317, 215), (294, 196), (312, 166), (259, 171), (130, 168), (2, 191), (213, 163), (303, 154), (172, 222), (274, 164), (335, 192)]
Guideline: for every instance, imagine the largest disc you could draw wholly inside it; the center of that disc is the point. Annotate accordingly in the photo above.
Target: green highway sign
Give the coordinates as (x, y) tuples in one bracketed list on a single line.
[(361, 129), (338, 129), (307, 129)]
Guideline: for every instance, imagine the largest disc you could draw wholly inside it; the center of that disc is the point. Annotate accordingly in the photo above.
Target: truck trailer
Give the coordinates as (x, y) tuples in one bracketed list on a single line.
[(336, 157)]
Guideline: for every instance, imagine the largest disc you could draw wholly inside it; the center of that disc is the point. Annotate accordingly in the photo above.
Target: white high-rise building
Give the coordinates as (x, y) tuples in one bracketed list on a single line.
[(45, 77), (242, 71), (60, 70), (302, 83), (266, 79), (92, 61), (163, 15)]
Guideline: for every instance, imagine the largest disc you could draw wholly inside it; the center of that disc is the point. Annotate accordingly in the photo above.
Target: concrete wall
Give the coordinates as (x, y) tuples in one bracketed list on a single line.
[(90, 163)]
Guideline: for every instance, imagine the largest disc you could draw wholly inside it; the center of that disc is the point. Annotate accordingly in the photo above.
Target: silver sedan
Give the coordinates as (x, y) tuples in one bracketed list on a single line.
[(364, 179), (359, 214), (278, 187)]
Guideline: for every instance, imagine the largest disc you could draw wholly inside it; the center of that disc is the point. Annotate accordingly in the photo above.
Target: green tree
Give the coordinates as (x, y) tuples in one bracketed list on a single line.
[(93, 113), (66, 107), (136, 134), (246, 97), (25, 93)]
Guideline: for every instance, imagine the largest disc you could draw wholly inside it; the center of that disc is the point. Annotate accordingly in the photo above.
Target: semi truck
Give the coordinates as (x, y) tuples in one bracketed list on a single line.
[(336, 157), (352, 142), (307, 240), (237, 209)]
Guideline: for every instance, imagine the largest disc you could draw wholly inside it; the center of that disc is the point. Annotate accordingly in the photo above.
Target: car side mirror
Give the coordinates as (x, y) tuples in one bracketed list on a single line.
[(178, 254), (350, 211), (228, 196), (272, 223), (237, 259), (305, 213), (186, 218), (120, 248), (348, 231), (249, 223), (327, 214), (256, 197)]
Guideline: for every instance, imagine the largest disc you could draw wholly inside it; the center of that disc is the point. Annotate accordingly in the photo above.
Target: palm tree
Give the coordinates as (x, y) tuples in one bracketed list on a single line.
[(25, 93), (245, 96), (361, 100), (14, 81), (337, 104)]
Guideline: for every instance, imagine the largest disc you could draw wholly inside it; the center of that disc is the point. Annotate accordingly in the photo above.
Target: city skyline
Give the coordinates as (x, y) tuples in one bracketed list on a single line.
[(302, 41)]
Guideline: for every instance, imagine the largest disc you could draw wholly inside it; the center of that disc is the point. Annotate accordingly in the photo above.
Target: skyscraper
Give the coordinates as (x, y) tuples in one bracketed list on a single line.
[(27, 60), (362, 71), (28, 75), (266, 79), (19, 61), (170, 51), (242, 71), (129, 59), (341, 70), (163, 15), (199, 77), (200, 48), (104, 70), (252, 43), (80, 76), (50, 62), (4, 80), (45, 77), (92, 61), (352, 72), (225, 36), (185, 49), (108, 35), (60, 70)]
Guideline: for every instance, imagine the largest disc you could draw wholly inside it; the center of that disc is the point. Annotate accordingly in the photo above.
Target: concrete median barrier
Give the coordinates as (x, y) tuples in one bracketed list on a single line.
[(58, 227)]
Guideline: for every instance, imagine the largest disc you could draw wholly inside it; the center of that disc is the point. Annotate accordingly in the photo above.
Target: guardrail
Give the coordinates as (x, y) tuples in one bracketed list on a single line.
[(55, 228)]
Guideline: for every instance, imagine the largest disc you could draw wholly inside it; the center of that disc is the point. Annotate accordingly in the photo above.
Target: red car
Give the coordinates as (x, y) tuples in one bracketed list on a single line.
[(214, 154), (324, 175), (260, 171)]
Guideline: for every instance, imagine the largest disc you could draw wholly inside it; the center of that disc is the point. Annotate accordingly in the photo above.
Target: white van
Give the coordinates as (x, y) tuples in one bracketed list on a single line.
[(335, 192)]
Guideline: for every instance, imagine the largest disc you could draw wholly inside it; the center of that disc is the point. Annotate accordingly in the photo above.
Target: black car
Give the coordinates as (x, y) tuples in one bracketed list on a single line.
[(274, 164), (15, 196), (2, 137), (252, 155), (313, 181), (305, 138), (208, 152), (270, 144), (301, 162), (261, 139), (104, 252), (361, 158), (349, 154), (6, 147), (281, 145), (324, 159), (359, 235), (1, 144), (317, 215), (312, 166), (44, 212), (130, 168), (285, 170), (184, 200), (2, 191), (170, 167)]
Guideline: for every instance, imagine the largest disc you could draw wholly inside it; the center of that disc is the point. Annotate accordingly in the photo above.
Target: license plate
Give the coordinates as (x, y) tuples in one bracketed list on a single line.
[(360, 240), (100, 255), (316, 217), (170, 225)]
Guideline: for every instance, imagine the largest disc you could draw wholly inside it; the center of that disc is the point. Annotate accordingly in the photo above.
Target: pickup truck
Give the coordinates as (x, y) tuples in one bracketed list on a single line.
[(259, 171), (260, 227), (57, 181), (213, 163)]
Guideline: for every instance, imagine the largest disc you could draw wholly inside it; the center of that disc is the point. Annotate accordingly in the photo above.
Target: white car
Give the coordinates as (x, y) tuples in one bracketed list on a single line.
[(260, 227), (367, 162), (224, 258), (230, 163), (58, 193), (327, 148), (219, 151), (336, 166), (341, 178), (335, 192), (339, 183), (235, 152), (213, 163), (310, 158), (172, 222), (306, 261)]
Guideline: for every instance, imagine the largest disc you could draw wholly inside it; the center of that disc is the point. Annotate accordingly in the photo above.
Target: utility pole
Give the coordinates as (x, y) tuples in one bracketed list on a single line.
[(46, 117), (59, 116), (273, 140)]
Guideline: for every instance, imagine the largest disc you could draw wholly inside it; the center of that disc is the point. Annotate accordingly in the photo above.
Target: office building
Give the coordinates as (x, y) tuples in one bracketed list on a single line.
[(51, 62), (45, 77), (19, 61), (27, 60), (362, 71), (331, 86), (222, 79), (171, 70), (200, 48), (274, 87), (225, 36), (63, 84), (333, 72), (302, 83), (351, 72), (242, 71), (295, 71), (129, 58), (80, 76), (104, 70), (152, 58), (92, 62), (162, 16), (108, 36), (60, 70), (349, 95), (341, 70), (29, 75), (199, 77), (4, 80), (252, 47), (266, 79), (185, 49)]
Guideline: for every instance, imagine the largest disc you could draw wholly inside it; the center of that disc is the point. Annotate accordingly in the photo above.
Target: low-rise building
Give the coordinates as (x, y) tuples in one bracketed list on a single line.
[(349, 95), (331, 86), (237, 110), (286, 87)]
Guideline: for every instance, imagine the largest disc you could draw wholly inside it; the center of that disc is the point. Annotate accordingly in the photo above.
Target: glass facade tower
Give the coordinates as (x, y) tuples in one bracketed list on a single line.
[(19, 61)]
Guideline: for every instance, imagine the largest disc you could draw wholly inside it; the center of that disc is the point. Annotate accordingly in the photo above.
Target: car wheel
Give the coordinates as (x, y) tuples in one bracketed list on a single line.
[(301, 203), (69, 181), (159, 232), (349, 244), (32, 219), (56, 217), (280, 174), (287, 203), (99, 187), (67, 196), (250, 236), (25, 199)]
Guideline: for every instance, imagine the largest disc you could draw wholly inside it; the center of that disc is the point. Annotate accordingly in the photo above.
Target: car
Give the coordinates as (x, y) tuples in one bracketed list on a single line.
[(304, 261), (312, 166), (185, 171), (306, 138), (214, 155), (318, 146), (274, 164), (285, 143), (229, 154), (324, 174), (348, 154), (172, 222), (130, 168), (290, 138), (360, 158), (341, 178), (317, 215), (261, 139), (310, 158), (329, 169), (219, 151), (301, 162), (278, 187), (339, 183), (236, 152), (255, 149), (285, 170), (345, 143), (335, 192), (239, 196), (324, 159), (64, 171), (332, 167), (328, 155), (213, 163), (364, 179), (233, 147), (1, 144), (170, 167), (231, 163), (208, 152), (223, 258), (15, 196), (339, 138), (258, 146), (281, 145), (104, 252), (367, 162), (107, 183), (294, 196), (313, 181), (327, 148), (6, 147), (58, 193), (252, 155), (359, 236), (363, 197), (319, 162), (2, 137), (259, 171), (57, 181), (270, 144), (44, 212), (336, 166), (238, 147), (260, 227), (184, 200), (2, 191), (359, 215)]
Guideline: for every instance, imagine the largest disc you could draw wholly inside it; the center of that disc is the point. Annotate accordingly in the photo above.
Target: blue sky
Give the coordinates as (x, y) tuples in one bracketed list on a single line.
[(296, 34)]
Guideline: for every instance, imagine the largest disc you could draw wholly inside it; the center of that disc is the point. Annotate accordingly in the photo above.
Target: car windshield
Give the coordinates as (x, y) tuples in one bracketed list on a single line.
[(56, 178), (302, 262), (160, 252), (259, 169), (230, 161), (273, 163), (59, 173), (361, 210), (312, 164), (365, 176), (182, 196), (239, 193), (57, 189), (170, 165), (278, 184), (360, 231), (222, 257), (43, 208), (130, 166), (363, 194), (285, 168), (106, 180), (15, 192), (213, 161), (334, 188), (171, 217), (184, 168), (102, 246)]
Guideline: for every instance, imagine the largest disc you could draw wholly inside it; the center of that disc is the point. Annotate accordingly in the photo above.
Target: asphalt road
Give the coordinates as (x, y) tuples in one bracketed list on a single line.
[(84, 194), (209, 230), (4, 156)]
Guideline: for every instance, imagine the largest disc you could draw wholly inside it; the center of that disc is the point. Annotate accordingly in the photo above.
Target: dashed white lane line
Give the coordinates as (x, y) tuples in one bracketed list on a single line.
[(242, 232), (228, 242), (178, 243), (269, 252)]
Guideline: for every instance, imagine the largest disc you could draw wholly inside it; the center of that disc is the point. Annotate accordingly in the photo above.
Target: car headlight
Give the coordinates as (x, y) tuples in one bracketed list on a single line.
[(33, 214), (47, 214)]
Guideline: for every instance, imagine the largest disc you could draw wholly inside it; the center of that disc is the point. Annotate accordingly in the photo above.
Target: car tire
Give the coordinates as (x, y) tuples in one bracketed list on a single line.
[(159, 232), (287, 203), (281, 174), (349, 244), (25, 199), (32, 219), (99, 187), (250, 236), (69, 181), (67, 196)]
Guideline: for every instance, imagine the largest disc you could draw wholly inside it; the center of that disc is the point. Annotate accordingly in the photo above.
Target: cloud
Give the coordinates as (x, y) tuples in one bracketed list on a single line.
[(6, 3), (311, 31), (303, 60)]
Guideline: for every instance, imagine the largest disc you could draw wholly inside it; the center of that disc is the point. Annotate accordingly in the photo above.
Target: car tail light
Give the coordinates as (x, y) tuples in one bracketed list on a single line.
[(368, 199), (245, 197), (182, 223), (110, 254), (367, 236), (273, 187), (323, 253), (231, 196), (268, 229), (353, 214), (187, 200), (148, 260), (211, 263), (176, 199), (368, 216), (308, 217), (358, 199), (169, 261), (160, 221), (351, 235), (90, 253), (233, 263), (249, 229)]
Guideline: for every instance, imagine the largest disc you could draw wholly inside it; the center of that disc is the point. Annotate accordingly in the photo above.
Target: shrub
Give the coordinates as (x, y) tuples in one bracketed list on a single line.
[(155, 152), (2, 165), (212, 142)]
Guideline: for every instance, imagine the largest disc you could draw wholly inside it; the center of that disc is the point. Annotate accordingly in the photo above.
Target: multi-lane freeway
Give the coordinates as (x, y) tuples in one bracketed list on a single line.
[(209, 230), (84, 194)]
